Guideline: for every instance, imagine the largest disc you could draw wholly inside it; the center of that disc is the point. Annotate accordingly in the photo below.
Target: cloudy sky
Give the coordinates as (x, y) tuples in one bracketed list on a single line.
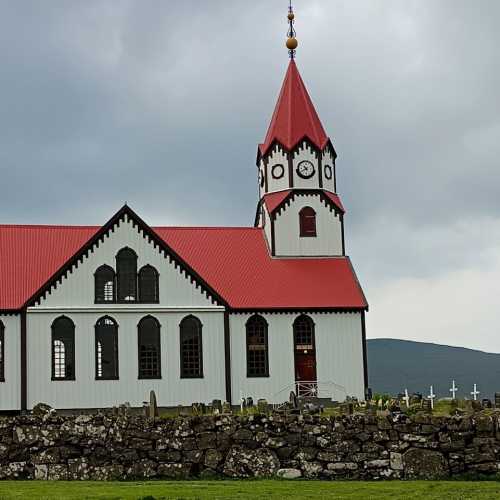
[(162, 103)]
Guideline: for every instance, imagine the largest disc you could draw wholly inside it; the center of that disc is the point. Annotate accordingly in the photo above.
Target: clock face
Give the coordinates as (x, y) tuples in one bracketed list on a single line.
[(278, 171), (328, 172), (305, 169)]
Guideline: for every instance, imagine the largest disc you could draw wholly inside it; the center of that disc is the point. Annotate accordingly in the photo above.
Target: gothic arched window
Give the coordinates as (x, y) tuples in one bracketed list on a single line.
[(191, 348), (307, 222), (105, 284), (257, 347), (148, 332), (2, 352), (126, 275), (303, 333), (106, 349), (63, 349), (148, 285)]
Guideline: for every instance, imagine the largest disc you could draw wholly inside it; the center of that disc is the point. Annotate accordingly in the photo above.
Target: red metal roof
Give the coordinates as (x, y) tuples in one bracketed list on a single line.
[(235, 262), (335, 199), (274, 200), (294, 116)]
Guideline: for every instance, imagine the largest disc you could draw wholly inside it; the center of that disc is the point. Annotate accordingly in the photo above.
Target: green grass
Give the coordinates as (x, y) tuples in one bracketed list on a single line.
[(268, 489)]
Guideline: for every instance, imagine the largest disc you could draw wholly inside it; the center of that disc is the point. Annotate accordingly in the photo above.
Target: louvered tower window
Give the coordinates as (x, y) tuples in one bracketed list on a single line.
[(307, 222)]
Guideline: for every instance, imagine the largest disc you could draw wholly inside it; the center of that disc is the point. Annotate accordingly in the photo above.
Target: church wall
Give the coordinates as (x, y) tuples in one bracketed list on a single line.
[(304, 152), (277, 156), (10, 390), (78, 288), (339, 357), (328, 184), (328, 228), (86, 392)]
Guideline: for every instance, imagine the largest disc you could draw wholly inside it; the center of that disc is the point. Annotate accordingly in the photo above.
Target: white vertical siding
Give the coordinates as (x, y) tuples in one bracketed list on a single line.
[(78, 288), (86, 392), (277, 156), (328, 229), (10, 390), (327, 159), (339, 357)]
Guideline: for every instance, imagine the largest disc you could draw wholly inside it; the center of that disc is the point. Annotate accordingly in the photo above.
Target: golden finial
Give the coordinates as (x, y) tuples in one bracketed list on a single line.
[(291, 43)]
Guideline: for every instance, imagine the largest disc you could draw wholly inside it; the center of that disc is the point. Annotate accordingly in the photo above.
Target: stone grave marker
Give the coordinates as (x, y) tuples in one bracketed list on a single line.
[(216, 406), (497, 399), (487, 403), (262, 405)]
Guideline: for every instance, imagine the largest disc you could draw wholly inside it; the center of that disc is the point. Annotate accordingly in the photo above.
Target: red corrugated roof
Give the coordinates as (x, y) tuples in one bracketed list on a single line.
[(335, 199), (294, 116), (274, 200), (235, 262)]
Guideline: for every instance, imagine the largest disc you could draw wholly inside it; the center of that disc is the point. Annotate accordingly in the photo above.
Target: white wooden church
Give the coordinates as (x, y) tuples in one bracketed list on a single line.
[(91, 317)]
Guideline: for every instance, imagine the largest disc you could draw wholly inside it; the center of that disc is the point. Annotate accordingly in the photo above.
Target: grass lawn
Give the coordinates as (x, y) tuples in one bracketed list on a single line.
[(268, 489)]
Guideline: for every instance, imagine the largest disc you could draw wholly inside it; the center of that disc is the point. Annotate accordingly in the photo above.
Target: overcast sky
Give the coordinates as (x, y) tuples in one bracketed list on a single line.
[(162, 104)]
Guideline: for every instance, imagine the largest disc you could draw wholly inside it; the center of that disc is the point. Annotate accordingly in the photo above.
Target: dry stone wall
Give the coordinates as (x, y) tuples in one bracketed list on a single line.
[(104, 447)]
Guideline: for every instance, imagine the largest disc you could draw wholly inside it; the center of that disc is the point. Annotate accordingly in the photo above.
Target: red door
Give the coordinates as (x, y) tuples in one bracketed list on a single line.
[(305, 367)]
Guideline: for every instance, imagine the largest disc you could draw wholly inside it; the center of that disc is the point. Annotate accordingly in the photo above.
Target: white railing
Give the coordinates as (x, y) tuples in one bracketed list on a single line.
[(313, 389)]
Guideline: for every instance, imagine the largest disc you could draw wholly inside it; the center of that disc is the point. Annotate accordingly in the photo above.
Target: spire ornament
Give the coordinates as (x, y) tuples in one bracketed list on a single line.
[(291, 42)]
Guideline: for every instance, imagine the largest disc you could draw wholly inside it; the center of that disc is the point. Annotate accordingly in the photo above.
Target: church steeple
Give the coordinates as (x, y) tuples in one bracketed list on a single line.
[(296, 163)]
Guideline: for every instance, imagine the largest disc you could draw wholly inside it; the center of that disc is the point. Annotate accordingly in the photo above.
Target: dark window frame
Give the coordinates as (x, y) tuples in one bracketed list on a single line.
[(156, 284), (120, 278), (99, 270), (307, 223), (199, 333), (140, 375), (68, 352), (116, 349), (252, 323), (2, 352)]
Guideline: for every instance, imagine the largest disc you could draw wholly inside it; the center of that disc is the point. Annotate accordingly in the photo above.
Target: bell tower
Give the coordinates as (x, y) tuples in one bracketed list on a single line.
[(298, 208)]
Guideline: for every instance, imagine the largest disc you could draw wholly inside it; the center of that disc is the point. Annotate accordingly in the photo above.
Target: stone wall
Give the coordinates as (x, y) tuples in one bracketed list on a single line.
[(360, 447)]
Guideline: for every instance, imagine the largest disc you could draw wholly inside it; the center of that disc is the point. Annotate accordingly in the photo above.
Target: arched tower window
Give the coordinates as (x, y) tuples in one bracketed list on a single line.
[(105, 284), (148, 285), (126, 273), (191, 348), (303, 333), (2, 352), (257, 347), (148, 332), (106, 349), (307, 222), (63, 349)]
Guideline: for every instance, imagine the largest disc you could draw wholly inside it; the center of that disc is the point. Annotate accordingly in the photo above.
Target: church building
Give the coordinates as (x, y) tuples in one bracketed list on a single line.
[(94, 316)]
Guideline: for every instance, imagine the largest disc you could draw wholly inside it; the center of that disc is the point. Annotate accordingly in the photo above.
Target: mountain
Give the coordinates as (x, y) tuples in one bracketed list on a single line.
[(394, 365)]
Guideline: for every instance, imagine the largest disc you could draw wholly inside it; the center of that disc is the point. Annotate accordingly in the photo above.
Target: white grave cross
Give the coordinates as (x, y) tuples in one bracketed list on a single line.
[(453, 390), (431, 396), (407, 399), (475, 392)]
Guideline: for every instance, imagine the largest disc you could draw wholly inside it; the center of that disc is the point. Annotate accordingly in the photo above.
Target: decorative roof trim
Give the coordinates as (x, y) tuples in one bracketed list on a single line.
[(94, 241)]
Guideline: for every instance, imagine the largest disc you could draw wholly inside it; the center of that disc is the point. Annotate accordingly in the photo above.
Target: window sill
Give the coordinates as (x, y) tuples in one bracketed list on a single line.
[(63, 379), (149, 378), (308, 236), (258, 376), (191, 376), (107, 378)]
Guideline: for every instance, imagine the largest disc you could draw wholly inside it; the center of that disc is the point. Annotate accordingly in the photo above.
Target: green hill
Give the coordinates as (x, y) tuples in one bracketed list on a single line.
[(395, 364)]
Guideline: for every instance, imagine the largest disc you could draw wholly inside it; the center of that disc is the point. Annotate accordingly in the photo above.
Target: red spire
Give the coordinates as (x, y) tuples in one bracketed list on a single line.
[(294, 115)]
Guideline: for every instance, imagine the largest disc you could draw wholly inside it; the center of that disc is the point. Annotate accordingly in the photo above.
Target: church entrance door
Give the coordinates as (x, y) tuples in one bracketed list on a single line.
[(305, 357)]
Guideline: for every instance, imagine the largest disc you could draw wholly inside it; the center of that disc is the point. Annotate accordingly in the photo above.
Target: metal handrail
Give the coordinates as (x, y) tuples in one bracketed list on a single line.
[(313, 383)]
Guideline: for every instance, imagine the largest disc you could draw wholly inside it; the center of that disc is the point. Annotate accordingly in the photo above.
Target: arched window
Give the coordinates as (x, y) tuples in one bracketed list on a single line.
[(307, 222), (191, 348), (148, 285), (126, 273), (63, 349), (257, 347), (2, 352), (104, 284), (148, 332), (303, 333), (106, 349)]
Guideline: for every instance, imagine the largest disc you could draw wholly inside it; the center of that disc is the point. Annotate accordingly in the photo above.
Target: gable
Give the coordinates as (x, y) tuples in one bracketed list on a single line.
[(77, 289)]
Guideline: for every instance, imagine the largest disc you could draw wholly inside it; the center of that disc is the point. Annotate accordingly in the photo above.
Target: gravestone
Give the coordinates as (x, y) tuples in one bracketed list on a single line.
[(198, 409), (226, 408), (262, 405), (497, 399), (294, 403), (427, 405), (249, 402), (153, 405), (216, 405), (487, 403)]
